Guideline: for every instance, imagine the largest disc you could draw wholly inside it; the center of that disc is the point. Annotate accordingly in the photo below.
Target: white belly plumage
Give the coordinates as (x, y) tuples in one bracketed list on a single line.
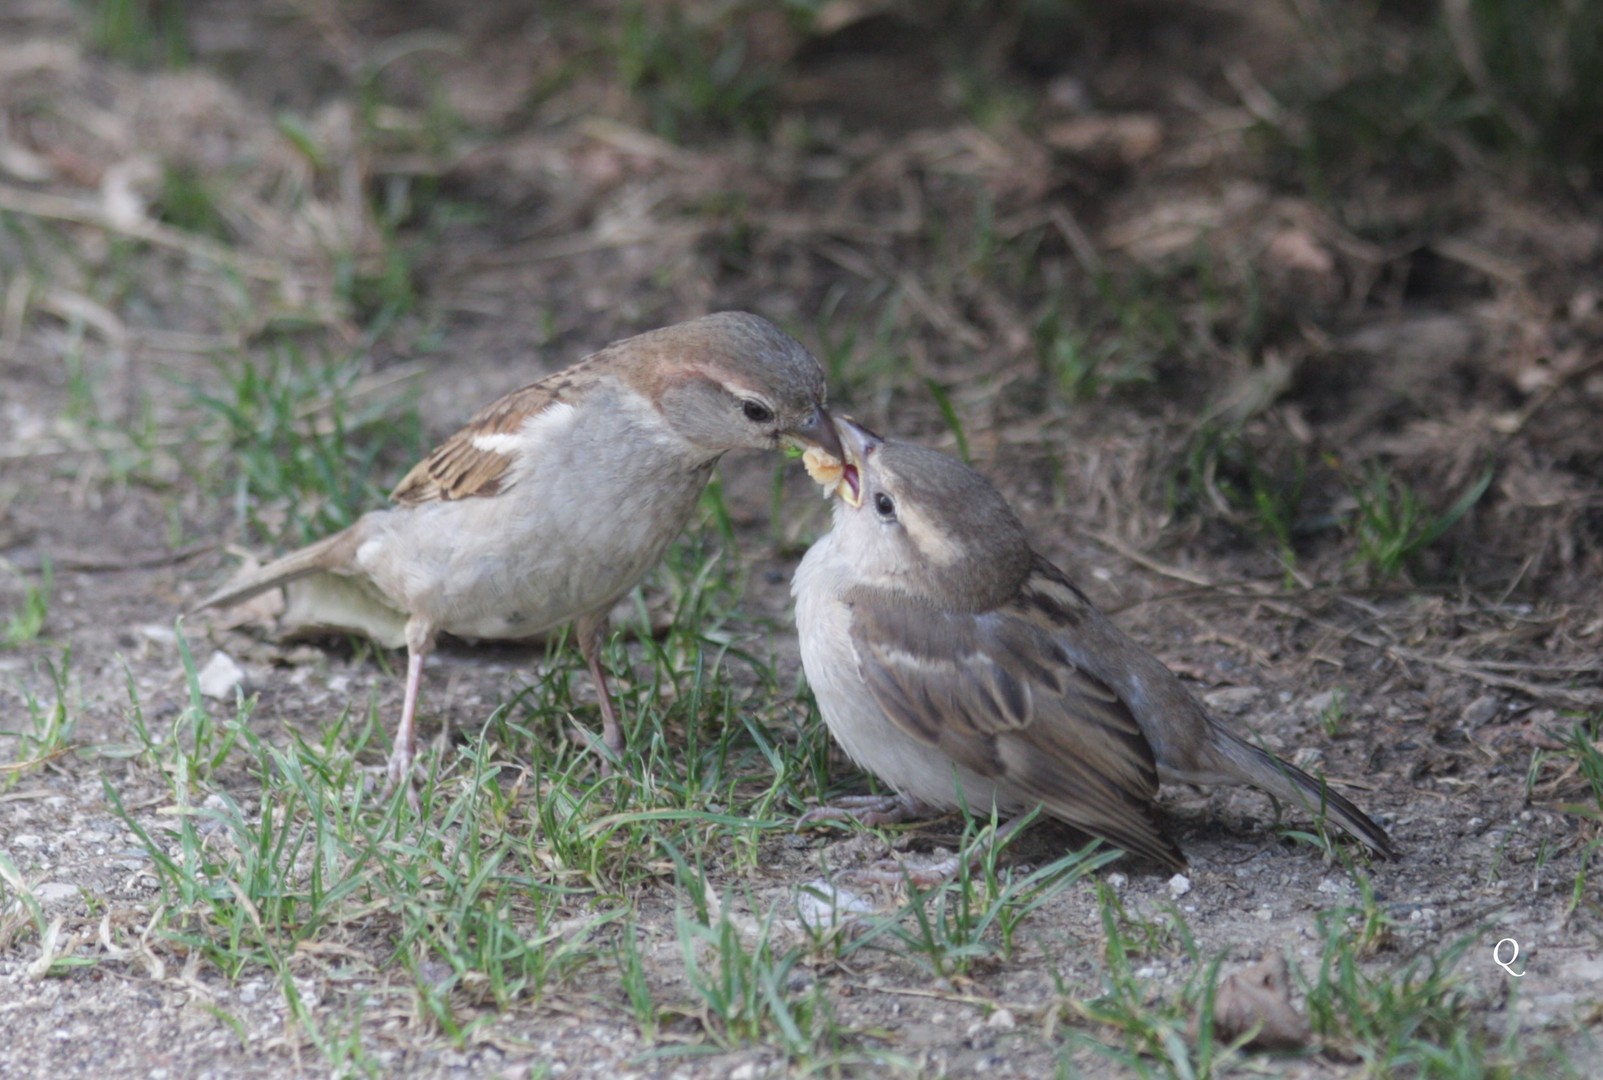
[(869, 737)]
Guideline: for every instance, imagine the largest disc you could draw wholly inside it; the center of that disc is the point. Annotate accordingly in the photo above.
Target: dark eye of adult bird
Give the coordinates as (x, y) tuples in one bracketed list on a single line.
[(884, 505), (757, 412)]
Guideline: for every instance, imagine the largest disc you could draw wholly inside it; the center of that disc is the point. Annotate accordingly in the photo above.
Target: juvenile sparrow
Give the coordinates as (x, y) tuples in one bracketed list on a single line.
[(555, 500), (957, 664)]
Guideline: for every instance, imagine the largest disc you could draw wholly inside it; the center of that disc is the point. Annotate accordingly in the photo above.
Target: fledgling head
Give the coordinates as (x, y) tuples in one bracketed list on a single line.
[(736, 381), (920, 522)]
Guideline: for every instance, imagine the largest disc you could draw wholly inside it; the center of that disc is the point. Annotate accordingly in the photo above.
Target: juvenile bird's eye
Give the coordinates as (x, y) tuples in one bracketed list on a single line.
[(757, 412), (885, 506)]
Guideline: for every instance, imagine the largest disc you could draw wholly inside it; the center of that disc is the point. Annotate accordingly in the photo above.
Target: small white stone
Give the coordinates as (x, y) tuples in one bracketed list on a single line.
[(1231, 699), (1179, 885), (1117, 881), (1001, 1020), (821, 904), (1322, 701), (219, 678), (49, 891)]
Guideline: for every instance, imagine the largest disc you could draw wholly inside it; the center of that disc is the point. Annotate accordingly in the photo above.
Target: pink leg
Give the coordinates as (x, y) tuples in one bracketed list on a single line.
[(419, 639), (591, 630)]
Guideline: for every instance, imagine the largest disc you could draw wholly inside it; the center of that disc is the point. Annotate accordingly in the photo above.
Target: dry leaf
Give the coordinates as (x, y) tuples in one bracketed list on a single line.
[(1259, 999), (1109, 141)]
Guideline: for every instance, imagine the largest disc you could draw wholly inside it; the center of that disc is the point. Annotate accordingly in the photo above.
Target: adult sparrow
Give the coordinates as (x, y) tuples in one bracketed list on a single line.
[(556, 499), (958, 665)]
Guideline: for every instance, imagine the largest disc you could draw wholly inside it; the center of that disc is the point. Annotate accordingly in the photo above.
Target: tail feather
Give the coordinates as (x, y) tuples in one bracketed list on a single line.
[(333, 553), (1285, 781)]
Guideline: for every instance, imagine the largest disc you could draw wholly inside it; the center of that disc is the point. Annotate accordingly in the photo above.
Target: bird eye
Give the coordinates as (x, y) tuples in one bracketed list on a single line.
[(885, 506), (757, 412)]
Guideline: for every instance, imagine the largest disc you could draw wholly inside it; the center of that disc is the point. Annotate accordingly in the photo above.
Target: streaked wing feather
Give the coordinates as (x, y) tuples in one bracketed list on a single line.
[(460, 469), (998, 696)]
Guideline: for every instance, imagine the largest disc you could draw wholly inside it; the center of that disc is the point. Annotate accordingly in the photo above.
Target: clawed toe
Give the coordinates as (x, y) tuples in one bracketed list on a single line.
[(893, 872), (403, 771), (870, 810)]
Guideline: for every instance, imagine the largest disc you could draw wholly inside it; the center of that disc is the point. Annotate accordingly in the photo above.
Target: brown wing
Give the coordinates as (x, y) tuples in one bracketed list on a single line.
[(998, 695), (458, 469)]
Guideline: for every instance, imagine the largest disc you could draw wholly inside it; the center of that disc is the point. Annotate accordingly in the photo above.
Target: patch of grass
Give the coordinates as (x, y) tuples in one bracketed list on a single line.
[(1263, 489), (969, 922), (1334, 715), (309, 854), (340, 1036), (304, 441), (1156, 1033), (954, 423), (27, 622), (129, 445), (749, 989), (1393, 526), (145, 33), (1138, 325), (1083, 364), (405, 210), (187, 200), (521, 868), (689, 64), (633, 980), (50, 726), (19, 909), (863, 348), (1226, 473), (1415, 1017), (1575, 776), (195, 746), (472, 925), (1421, 90), (1584, 746)]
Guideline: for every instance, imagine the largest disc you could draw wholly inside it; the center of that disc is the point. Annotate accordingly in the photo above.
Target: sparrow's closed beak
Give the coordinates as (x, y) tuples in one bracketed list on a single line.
[(819, 430)]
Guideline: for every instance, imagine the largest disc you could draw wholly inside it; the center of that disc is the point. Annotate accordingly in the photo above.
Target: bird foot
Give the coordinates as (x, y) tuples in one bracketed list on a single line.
[(893, 872), (403, 771), (870, 810)]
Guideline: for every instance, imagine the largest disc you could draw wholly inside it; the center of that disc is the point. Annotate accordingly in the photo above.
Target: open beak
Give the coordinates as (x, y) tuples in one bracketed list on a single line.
[(857, 443), (836, 465), (818, 430)]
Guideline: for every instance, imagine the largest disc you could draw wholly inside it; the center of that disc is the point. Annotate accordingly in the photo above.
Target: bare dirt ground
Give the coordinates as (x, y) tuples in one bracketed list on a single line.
[(1092, 271)]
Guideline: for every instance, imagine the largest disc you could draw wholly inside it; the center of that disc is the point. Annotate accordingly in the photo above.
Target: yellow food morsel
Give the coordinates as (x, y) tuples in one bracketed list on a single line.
[(825, 469)]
